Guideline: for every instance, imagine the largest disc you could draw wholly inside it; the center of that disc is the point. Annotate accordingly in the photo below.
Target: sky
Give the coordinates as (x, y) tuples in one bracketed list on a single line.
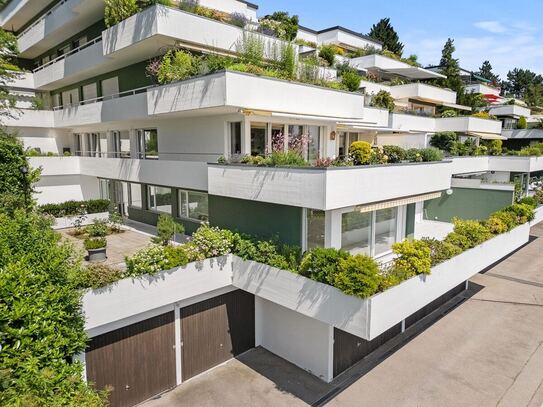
[(507, 33)]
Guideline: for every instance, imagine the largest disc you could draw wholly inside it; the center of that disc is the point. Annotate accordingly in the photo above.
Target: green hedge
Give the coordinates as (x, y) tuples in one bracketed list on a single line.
[(71, 208)]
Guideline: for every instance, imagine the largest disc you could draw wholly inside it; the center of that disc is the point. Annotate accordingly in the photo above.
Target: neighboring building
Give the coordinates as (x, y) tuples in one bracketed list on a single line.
[(155, 149)]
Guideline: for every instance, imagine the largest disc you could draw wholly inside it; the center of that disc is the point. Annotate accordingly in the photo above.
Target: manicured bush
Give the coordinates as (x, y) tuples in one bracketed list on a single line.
[(176, 256), (522, 124), (95, 243), (508, 219), (167, 227), (530, 201), (441, 250), (351, 80), (383, 100), (99, 228), (430, 154), (495, 147), (413, 257), (392, 276), (358, 275), (322, 264), (41, 322), (361, 152), (266, 251), (209, 242), (72, 208), (394, 154), (283, 158), (98, 275), (444, 140), (473, 230), (449, 113), (456, 239), (496, 226), (523, 212)]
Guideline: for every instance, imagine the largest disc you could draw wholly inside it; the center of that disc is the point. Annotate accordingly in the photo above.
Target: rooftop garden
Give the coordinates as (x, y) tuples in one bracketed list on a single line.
[(356, 275), (361, 153)]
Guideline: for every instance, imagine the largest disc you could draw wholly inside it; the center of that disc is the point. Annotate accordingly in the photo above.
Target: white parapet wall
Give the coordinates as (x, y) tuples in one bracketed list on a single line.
[(69, 221)]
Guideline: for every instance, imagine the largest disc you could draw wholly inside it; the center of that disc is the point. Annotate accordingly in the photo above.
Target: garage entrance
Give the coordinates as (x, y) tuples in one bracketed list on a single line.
[(215, 330), (137, 361)]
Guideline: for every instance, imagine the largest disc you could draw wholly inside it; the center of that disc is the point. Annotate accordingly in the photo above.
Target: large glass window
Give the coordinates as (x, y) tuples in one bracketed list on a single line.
[(134, 195), (258, 138), (193, 205), (148, 144), (385, 230), (121, 144), (370, 233), (315, 228), (104, 189), (159, 199), (313, 142), (356, 232)]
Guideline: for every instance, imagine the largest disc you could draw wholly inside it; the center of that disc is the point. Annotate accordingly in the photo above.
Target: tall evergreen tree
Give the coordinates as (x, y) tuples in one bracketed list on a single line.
[(485, 71), (518, 81), (450, 67), (384, 32)]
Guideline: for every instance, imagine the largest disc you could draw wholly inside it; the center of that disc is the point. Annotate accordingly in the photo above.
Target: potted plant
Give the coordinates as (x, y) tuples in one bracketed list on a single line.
[(96, 248)]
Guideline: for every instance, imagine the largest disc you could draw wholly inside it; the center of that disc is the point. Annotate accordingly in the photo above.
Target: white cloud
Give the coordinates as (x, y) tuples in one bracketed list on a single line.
[(515, 45), (491, 26)]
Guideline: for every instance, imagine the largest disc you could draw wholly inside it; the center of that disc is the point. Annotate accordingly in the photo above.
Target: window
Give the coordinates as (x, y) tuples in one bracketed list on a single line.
[(97, 144), (193, 205), (313, 142), (134, 195), (315, 228), (90, 91), (343, 147), (70, 97), (369, 233), (159, 199), (148, 144), (78, 147), (104, 189), (258, 138), (235, 139), (110, 86), (121, 144)]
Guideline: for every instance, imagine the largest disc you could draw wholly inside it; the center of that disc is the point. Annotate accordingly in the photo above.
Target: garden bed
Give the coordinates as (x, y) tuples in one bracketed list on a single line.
[(68, 221)]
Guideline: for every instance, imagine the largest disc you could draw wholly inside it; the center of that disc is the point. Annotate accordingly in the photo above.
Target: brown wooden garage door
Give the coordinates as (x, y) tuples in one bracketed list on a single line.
[(138, 361), (216, 330)]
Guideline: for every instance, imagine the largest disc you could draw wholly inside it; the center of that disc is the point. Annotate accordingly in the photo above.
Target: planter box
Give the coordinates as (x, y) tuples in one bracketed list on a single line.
[(95, 255), (68, 221), (538, 216)]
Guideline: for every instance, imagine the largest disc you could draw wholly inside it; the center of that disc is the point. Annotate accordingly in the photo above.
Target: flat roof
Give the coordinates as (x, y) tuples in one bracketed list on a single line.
[(341, 28), (252, 5)]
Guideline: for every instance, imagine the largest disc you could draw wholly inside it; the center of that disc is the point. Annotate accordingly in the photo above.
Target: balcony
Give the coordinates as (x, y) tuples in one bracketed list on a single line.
[(423, 92), (484, 89), (57, 25), (412, 123), (469, 125), (16, 13), (345, 38), (381, 64), (511, 111), (30, 118), (328, 188), (231, 91)]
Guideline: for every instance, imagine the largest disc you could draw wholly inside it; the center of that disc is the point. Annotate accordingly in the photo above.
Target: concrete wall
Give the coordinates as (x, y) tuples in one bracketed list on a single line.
[(61, 188), (301, 340)]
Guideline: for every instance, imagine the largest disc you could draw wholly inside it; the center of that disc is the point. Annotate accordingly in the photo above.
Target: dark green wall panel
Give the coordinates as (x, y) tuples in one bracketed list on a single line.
[(257, 218), (467, 203)]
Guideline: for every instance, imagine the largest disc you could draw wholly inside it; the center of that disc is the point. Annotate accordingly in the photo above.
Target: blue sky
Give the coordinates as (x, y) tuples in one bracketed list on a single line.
[(509, 34)]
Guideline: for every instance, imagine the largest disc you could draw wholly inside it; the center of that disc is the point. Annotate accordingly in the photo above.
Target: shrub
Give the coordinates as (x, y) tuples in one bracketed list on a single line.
[(175, 66), (473, 230), (483, 115), (449, 113), (458, 240), (98, 228), (166, 227), (150, 260), (95, 243), (289, 159), (522, 124), (441, 250), (238, 20), (413, 257), (395, 154), (430, 154), (115, 220), (119, 10), (250, 49), (413, 155), (351, 80), (281, 24), (529, 200), (209, 242), (496, 225), (322, 264), (98, 276), (383, 100), (508, 219), (41, 323), (523, 212), (444, 140), (328, 53), (176, 256), (391, 277), (361, 152), (287, 63), (495, 147), (72, 208), (357, 275)]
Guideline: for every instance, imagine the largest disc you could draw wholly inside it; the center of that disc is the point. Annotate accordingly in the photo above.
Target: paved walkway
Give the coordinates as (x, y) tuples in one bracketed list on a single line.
[(488, 351)]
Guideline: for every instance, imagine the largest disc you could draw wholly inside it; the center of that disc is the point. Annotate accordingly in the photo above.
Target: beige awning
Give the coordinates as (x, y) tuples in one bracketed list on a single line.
[(455, 106), (486, 136), (397, 202)]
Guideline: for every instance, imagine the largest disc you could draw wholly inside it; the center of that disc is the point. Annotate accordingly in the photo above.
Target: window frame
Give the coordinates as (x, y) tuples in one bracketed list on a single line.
[(186, 215), (152, 209)]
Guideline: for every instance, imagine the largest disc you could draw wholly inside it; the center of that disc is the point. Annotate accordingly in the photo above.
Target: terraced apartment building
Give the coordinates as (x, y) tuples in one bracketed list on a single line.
[(103, 124)]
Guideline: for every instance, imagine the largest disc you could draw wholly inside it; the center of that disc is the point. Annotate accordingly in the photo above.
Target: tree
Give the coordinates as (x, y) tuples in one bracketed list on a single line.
[(518, 81), (474, 100), (522, 124), (166, 227), (450, 67), (16, 176), (41, 323), (384, 32), (534, 95), (8, 71), (485, 71)]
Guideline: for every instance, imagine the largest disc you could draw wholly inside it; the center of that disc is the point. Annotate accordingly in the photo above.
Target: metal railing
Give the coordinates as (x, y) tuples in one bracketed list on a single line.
[(107, 97), (43, 17), (67, 54)]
